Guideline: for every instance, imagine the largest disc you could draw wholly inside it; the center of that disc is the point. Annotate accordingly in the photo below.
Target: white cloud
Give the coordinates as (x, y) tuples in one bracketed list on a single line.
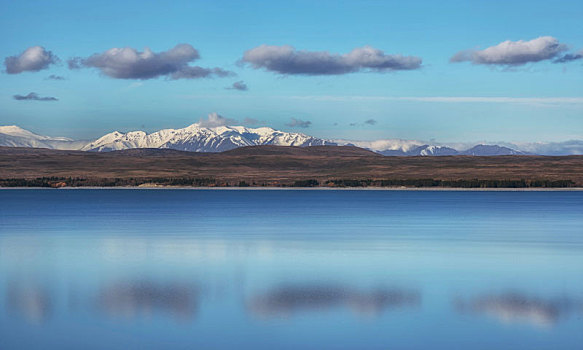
[(33, 59), (214, 120), (514, 53)]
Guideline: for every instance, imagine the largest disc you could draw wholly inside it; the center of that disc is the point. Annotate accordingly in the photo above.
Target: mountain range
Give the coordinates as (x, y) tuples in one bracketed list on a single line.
[(198, 138)]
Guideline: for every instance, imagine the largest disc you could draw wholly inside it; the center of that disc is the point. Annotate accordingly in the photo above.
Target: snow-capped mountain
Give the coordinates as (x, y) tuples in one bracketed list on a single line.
[(196, 138), (14, 136), (201, 138), (423, 150), (433, 150)]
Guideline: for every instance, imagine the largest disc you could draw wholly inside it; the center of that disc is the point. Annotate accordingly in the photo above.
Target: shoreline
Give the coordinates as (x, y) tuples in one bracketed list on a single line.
[(371, 188)]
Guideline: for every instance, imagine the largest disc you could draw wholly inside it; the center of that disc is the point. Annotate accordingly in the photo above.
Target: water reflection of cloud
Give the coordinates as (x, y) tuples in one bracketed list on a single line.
[(30, 302), (520, 308), (289, 299), (144, 298)]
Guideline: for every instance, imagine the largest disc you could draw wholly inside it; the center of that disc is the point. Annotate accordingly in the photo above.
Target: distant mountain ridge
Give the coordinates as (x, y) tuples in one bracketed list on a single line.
[(491, 150), (423, 150), (197, 138)]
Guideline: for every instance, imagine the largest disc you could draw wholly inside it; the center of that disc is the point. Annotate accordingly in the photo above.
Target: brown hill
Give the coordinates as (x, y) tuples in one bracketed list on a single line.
[(332, 151), (272, 165)]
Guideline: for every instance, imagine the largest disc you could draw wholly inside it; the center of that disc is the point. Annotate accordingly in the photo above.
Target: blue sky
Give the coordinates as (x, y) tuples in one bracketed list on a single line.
[(534, 101)]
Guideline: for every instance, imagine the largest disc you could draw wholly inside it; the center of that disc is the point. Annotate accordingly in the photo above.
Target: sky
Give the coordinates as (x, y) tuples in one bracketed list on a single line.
[(445, 71)]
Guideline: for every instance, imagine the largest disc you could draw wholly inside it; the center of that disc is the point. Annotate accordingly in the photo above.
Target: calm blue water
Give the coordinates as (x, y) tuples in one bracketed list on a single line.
[(208, 269)]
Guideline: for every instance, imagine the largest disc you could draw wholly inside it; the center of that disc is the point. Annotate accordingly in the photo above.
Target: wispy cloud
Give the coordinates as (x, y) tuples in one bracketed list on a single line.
[(366, 122), (238, 85), (569, 57), (298, 123), (55, 77), (33, 96), (214, 120), (514, 53)]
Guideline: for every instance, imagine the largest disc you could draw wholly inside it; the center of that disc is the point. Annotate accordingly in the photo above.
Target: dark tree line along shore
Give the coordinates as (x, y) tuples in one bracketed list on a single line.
[(57, 182)]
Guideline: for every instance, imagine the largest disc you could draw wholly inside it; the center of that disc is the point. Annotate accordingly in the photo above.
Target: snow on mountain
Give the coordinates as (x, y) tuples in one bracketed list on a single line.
[(196, 138), (199, 137), (397, 146), (432, 150), (14, 136), (15, 131)]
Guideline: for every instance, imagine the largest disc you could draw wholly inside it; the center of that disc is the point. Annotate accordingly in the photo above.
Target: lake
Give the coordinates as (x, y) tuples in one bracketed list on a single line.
[(290, 269)]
